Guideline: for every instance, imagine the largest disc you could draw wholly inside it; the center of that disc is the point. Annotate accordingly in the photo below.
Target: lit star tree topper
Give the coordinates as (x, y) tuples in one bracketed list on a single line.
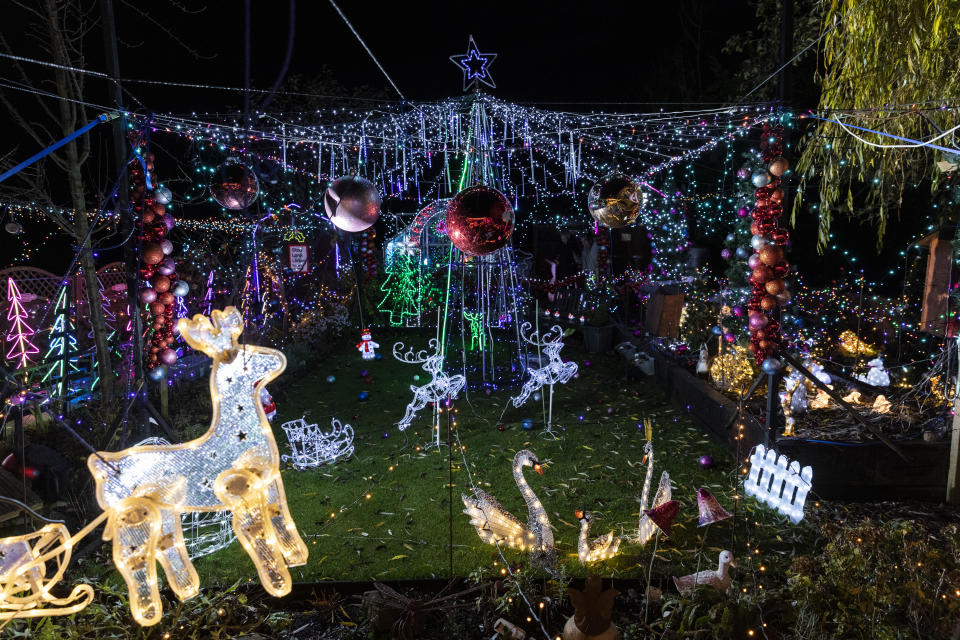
[(475, 67)]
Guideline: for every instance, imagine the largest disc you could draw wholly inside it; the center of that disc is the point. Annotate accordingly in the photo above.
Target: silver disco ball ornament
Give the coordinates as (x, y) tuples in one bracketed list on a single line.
[(163, 195), (352, 203), (13, 228), (234, 186)]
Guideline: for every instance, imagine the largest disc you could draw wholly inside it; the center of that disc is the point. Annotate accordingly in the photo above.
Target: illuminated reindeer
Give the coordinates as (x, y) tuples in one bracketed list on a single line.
[(441, 386), (555, 371), (234, 466)]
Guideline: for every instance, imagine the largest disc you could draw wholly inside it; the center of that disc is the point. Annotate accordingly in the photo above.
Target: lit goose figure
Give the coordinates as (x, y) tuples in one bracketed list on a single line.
[(606, 546), (495, 524)]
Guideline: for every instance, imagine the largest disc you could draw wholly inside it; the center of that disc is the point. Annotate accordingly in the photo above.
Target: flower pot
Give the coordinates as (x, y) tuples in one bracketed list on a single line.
[(598, 339)]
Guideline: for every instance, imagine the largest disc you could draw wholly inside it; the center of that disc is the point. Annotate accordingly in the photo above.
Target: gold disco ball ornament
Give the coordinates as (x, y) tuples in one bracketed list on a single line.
[(614, 201)]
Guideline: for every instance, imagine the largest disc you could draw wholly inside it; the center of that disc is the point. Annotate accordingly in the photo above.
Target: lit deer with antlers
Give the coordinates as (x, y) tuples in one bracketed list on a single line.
[(234, 466), (554, 371), (441, 386)]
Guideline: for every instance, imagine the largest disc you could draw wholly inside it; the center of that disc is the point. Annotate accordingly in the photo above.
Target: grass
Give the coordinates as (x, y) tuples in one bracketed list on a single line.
[(385, 514)]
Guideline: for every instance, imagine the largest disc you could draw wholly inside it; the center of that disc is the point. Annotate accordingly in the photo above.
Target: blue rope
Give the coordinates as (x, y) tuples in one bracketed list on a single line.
[(103, 117)]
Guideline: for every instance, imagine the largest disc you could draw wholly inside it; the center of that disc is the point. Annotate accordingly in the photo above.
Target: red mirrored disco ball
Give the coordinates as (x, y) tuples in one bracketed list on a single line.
[(479, 220), (234, 186), (352, 203)]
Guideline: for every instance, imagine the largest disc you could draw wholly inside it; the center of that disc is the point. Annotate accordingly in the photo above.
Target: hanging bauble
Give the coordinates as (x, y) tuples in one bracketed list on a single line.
[(743, 173), (163, 195), (731, 238), (775, 287), (614, 201), (758, 242), (161, 284), (761, 274), (760, 179), (165, 299), (776, 195), (771, 365), (778, 167), (754, 261), (768, 303), (168, 356), (758, 321), (234, 186), (783, 297), (352, 203), (148, 217), (167, 267), (157, 309), (743, 212), (479, 220), (169, 221), (166, 246), (770, 255), (726, 254), (152, 253), (158, 373), (147, 296), (13, 227), (181, 289)]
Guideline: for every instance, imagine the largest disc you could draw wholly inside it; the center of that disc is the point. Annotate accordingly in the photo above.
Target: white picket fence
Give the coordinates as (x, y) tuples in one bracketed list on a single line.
[(778, 482)]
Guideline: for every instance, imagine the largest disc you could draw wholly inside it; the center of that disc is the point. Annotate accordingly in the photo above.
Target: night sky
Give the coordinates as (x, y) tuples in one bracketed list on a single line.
[(615, 56)]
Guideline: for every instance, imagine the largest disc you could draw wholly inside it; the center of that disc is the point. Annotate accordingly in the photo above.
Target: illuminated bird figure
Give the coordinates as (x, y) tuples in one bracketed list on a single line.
[(497, 525), (647, 528), (719, 579), (606, 546)]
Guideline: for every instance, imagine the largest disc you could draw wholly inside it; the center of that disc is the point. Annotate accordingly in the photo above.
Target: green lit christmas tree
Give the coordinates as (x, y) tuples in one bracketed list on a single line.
[(400, 288)]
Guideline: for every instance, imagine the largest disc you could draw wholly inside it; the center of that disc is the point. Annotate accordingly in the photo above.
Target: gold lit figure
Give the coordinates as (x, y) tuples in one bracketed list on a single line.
[(30, 566), (606, 546), (495, 524), (234, 466)]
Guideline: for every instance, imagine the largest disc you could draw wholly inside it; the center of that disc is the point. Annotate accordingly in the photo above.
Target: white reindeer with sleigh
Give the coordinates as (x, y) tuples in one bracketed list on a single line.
[(234, 466)]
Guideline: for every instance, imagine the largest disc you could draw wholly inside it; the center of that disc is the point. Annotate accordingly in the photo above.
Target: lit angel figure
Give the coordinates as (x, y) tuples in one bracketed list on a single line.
[(554, 372), (496, 525), (367, 347), (647, 527), (602, 548), (234, 467), (441, 386)]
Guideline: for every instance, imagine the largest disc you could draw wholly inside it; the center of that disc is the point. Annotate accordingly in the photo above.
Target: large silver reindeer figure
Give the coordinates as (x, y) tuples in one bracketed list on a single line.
[(553, 372), (234, 466), (441, 386)]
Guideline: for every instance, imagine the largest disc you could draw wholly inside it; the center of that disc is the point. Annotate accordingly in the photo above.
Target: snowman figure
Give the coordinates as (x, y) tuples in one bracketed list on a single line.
[(703, 364), (367, 346), (877, 375)]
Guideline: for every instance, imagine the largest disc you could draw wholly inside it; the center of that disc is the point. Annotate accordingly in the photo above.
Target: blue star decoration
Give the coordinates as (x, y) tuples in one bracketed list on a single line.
[(475, 66)]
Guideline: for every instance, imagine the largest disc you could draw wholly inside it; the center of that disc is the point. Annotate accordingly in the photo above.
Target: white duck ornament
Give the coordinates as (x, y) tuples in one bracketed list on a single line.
[(495, 524), (719, 579), (606, 546)]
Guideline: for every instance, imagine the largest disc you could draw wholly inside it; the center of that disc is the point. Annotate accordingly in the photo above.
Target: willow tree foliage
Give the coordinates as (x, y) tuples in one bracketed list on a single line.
[(890, 67)]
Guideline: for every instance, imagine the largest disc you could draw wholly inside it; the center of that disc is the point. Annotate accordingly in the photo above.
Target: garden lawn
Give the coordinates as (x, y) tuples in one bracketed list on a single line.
[(384, 514)]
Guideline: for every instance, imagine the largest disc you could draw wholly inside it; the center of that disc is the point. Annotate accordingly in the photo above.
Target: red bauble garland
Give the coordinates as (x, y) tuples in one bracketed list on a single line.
[(603, 249), (769, 289), (156, 266)]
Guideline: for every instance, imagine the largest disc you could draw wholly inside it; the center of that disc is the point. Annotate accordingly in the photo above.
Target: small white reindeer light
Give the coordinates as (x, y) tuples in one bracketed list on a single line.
[(441, 386), (555, 371)]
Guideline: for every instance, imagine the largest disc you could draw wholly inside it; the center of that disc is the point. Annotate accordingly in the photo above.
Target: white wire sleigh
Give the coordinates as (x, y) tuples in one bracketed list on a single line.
[(311, 447)]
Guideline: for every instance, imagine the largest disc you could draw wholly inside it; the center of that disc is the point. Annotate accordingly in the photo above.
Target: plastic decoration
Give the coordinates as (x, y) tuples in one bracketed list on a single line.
[(367, 347), (664, 515), (310, 446), (441, 386), (494, 524), (647, 527), (204, 532), (602, 548), (555, 371), (19, 335), (877, 375), (778, 482), (710, 510), (233, 467), (732, 371)]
